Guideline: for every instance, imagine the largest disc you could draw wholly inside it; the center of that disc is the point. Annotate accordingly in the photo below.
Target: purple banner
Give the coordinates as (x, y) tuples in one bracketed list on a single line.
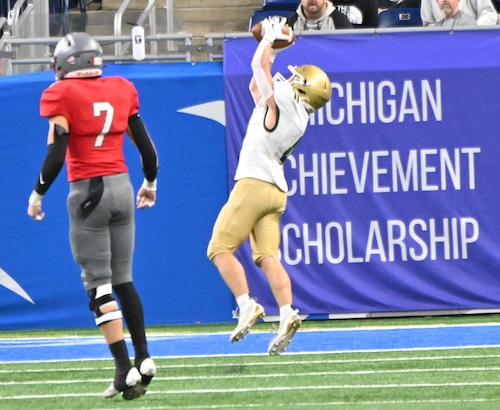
[(393, 202)]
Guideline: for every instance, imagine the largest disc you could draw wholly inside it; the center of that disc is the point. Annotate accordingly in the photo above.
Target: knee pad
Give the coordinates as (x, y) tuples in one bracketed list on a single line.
[(103, 304)]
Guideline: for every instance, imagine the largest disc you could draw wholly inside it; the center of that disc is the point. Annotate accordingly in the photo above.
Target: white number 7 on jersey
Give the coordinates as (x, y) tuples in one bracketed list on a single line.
[(107, 108)]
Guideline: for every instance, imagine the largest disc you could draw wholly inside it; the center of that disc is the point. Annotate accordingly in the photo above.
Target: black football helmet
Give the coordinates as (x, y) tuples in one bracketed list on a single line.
[(77, 55)]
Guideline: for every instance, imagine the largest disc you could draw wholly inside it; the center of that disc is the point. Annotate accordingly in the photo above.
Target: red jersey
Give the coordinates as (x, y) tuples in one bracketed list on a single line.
[(97, 110)]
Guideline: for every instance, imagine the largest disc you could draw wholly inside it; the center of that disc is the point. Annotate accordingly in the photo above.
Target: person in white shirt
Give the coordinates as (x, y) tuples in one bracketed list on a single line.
[(482, 10)]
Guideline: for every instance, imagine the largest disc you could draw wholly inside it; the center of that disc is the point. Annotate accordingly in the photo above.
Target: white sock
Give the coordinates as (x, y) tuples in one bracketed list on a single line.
[(244, 302), (285, 311)]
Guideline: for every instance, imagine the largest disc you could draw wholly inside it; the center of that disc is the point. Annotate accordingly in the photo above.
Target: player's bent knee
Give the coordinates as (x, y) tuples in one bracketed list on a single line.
[(213, 251), (104, 305), (217, 248)]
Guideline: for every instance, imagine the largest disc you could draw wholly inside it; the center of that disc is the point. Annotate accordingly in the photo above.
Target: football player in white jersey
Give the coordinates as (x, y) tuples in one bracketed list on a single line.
[(258, 199)]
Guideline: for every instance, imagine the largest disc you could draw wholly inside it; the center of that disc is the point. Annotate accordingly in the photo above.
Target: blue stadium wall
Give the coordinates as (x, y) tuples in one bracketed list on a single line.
[(359, 238)]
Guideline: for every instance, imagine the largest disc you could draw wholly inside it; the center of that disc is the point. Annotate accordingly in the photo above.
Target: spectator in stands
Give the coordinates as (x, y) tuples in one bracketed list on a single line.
[(482, 10), (317, 15), (82, 4), (58, 17), (88, 117), (78, 21), (59, 21), (452, 16), (361, 13)]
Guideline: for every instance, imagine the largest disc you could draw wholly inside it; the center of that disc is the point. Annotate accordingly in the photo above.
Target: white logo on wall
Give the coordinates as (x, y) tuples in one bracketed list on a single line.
[(214, 110), (11, 284)]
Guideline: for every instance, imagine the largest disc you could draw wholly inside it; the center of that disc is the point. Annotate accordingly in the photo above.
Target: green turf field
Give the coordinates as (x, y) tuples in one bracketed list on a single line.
[(444, 379)]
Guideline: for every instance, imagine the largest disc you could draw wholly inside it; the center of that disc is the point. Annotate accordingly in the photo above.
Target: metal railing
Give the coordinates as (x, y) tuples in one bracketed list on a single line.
[(24, 43), (20, 17), (149, 11), (214, 51), (43, 63)]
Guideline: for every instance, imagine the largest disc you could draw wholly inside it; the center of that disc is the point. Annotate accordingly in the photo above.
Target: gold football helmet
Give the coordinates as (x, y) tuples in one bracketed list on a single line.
[(312, 84)]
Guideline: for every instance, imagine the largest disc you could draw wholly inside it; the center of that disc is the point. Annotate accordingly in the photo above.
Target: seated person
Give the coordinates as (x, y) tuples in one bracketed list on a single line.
[(317, 15), (361, 13), (452, 16), (481, 10)]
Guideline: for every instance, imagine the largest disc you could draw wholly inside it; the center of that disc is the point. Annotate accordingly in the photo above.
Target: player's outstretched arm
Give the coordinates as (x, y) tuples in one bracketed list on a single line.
[(262, 80)]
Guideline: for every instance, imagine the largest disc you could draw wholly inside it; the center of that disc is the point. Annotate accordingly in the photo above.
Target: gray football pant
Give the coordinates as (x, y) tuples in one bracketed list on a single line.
[(103, 242)]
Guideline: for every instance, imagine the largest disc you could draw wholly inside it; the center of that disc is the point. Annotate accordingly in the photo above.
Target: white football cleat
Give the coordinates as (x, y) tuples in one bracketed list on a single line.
[(285, 334), (246, 320), (131, 391)]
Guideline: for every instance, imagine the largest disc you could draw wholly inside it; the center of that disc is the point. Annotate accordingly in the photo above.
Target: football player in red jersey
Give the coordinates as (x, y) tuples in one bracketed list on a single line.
[(88, 116)]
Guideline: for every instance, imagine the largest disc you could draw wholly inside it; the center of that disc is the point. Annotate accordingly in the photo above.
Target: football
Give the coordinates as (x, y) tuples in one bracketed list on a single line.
[(257, 33)]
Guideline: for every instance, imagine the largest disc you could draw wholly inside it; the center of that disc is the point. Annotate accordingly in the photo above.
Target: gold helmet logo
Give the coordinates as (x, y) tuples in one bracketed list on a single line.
[(312, 84)]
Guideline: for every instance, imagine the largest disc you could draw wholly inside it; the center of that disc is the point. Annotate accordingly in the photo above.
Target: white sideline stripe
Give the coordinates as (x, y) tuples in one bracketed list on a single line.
[(55, 341), (225, 355), (267, 375), (58, 340), (87, 340), (23, 342), (271, 389), (316, 405), (276, 364), (408, 349), (328, 387)]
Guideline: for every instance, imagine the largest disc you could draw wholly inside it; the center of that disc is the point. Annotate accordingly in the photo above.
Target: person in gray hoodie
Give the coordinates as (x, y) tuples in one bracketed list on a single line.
[(317, 15), (482, 10), (452, 16)]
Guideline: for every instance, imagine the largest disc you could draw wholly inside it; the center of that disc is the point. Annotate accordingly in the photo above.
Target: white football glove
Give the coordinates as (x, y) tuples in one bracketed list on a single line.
[(268, 31), (278, 24), (272, 28)]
